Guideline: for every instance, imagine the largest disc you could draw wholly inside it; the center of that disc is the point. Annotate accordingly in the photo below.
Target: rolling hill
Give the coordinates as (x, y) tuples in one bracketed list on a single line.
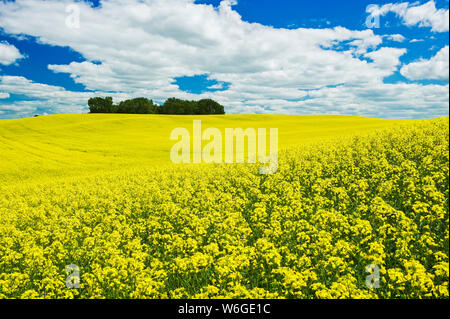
[(55, 146)]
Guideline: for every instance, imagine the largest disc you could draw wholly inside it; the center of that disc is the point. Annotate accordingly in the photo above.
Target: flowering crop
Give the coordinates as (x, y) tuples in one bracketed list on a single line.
[(225, 231)]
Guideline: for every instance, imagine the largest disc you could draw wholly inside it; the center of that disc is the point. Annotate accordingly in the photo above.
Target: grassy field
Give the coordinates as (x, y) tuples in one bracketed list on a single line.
[(50, 147), (98, 191)]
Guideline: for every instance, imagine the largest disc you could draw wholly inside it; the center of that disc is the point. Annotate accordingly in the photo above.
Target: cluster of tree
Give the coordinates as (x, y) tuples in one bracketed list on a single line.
[(145, 106), (177, 106), (136, 106)]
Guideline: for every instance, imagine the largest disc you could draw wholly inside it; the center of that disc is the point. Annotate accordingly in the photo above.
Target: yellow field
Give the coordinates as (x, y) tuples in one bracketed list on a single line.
[(99, 192), (82, 144)]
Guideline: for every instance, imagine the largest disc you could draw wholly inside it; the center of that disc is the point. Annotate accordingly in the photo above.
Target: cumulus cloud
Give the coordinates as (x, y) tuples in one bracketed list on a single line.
[(55, 99), (386, 59), (138, 47), (398, 100), (436, 68), (9, 53), (425, 15), (395, 37), (217, 86)]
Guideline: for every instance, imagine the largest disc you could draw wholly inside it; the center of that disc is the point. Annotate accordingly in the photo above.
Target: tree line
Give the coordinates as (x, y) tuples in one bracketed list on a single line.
[(145, 106)]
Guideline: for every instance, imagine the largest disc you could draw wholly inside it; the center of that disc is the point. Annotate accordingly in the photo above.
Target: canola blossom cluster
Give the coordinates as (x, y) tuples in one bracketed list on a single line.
[(225, 231)]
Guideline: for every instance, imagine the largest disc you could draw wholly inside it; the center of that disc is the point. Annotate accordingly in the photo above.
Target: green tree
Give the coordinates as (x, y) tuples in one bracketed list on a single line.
[(177, 106), (137, 106), (143, 105), (101, 105), (208, 106)]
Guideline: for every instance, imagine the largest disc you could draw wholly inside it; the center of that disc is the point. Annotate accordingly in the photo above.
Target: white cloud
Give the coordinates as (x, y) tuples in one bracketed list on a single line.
[(148, 43), (436, 68), (399, 100), (4, 95), (9, 53), (217, 86), (54, 98), (143, 45), (395, 37), (425, 15), (386, 59)]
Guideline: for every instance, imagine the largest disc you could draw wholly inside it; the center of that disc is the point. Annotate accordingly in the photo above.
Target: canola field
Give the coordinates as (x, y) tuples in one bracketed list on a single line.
[(99, 192)]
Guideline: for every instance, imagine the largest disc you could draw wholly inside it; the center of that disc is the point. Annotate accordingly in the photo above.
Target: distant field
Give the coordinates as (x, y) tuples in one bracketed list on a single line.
[(81, 144)]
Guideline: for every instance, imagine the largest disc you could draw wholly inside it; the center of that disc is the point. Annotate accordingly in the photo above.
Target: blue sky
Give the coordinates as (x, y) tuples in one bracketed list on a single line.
[(284, 56)]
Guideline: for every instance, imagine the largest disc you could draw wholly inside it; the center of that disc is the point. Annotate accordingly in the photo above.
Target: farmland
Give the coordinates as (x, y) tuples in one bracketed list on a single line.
[(56, 146), (99, 192)]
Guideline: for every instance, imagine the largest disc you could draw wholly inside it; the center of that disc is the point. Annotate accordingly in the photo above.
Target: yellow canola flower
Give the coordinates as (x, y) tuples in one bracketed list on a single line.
[(224, 231)]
